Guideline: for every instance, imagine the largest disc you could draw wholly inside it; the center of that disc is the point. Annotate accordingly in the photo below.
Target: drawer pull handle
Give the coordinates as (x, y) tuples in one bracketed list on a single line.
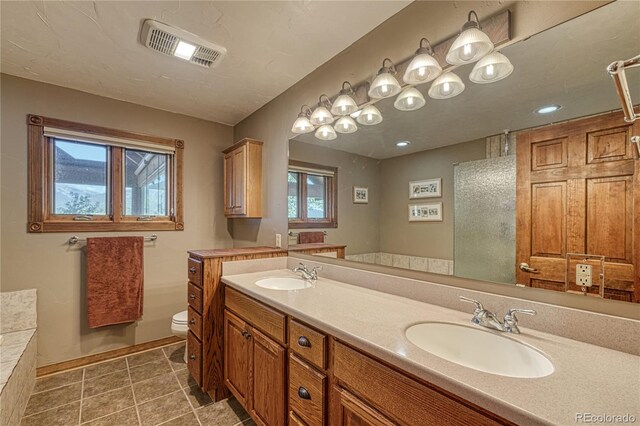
[(304, 342), (303, 393), (192, 296), (192, 356), (192, 270), (193, 321), (246, 335)]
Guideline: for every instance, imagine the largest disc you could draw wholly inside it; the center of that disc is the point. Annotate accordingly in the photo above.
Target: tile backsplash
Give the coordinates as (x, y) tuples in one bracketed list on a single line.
[(414, 263)]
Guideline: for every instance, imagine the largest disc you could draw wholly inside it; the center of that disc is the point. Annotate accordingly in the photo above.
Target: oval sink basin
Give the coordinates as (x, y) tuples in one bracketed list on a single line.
[(479, 349), (283, 283)]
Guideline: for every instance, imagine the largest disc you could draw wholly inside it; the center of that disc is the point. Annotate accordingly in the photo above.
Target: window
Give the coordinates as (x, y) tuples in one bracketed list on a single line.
[(312, 196), (89, 178)]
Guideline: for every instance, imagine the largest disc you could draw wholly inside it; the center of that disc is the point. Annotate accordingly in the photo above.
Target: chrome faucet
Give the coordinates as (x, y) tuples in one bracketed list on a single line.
[(488, 319), (307, 274)]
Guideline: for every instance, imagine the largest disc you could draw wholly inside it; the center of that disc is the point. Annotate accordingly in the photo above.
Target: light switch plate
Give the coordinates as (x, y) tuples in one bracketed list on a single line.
[(278, 240), (583, 275)]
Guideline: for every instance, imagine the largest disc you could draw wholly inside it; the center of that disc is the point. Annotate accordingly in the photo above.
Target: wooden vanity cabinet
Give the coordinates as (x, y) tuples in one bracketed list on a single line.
[(348, 410), (243, 179)]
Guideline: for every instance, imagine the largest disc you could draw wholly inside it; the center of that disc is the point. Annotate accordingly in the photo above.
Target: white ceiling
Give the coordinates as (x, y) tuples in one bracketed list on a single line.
[(564, 65), (94, 47)]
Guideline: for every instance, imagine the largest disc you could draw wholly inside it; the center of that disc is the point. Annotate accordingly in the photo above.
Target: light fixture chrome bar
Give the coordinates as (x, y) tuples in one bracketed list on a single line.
[(617, 72), (75, 240)]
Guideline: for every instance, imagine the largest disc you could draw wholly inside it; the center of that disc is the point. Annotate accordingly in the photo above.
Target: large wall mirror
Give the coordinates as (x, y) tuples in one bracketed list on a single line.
[(531, 181)]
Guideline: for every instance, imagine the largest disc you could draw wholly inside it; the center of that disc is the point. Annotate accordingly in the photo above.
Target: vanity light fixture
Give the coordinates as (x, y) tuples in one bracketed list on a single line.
[(423, 67), (446, 86), (471, 45), (303, 124), (369, 116), (321, 115), (493, 67), (345, 124), (326, 133), (402, 144), (385, 84), (345, 104), (548, 109), (410, 99)]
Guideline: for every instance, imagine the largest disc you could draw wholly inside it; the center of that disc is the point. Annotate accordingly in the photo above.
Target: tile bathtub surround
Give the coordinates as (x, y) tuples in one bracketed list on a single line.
[(146, 389), (590, 327), (18, 310), (415, 263)]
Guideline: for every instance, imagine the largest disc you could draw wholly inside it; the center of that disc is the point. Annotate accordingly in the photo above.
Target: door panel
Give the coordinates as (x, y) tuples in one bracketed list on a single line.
[(549, 154), (229, 186), (548, 212), (350, 411), (236, 355), (608, 145), (239, 181), (268, 380)]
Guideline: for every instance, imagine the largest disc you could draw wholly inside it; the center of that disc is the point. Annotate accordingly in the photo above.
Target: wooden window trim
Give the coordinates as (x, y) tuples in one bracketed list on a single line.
[(331, 196), (39, 164)]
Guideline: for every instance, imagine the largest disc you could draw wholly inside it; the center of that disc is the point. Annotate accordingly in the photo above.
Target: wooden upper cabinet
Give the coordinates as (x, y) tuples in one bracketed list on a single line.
[(243, 179)]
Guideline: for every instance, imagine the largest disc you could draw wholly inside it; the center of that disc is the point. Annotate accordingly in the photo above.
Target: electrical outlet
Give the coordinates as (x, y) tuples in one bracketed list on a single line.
[(583, 275), (278, 240)]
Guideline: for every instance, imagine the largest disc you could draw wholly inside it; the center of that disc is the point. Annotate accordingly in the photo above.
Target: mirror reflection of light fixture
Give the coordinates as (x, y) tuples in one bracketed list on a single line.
[(369, 116), (471, 45), (326, 133), (345, 124), (410, 99), (303, 124), (385, 84), (423, 67), (446, 86), (345, 104), (321, 114), (493, 67)]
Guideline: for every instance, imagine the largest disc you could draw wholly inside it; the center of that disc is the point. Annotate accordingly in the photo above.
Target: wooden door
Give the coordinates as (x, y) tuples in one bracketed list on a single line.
[(236, 357), (348, 410), (228, 184), (239, 179), (578, 191), (267, 380)]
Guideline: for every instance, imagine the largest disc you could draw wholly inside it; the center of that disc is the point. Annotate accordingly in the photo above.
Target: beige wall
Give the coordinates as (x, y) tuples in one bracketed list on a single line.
[(358, 224), (425, 239), (396, 38), (44, 261)]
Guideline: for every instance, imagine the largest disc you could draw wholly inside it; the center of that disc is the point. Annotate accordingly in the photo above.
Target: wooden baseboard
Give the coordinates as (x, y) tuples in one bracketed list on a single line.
[(104, 356)]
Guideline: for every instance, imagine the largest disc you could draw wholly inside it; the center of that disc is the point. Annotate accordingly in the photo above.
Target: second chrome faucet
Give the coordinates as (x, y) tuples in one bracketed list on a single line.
[(488, 319)]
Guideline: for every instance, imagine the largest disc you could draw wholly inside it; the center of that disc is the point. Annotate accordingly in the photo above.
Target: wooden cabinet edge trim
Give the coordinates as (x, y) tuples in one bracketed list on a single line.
[(241, 142)]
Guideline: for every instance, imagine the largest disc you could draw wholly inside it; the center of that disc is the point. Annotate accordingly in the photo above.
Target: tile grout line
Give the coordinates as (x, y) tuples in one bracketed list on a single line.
[(107, 415), (81, 398), (135, 403), (173, 372)]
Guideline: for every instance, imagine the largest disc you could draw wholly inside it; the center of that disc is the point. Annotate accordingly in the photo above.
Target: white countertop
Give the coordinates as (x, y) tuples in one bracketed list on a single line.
[(587, 378)]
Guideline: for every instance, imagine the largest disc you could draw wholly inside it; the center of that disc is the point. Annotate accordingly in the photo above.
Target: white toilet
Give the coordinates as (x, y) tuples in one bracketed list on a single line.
[(180, 328)]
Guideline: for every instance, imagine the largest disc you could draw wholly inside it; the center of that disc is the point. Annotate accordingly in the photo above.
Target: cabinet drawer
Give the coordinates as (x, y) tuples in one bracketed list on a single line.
[(258, 315), (195, 322), (306, 392), (194, 358), (308, 343), (295, 420), (401, 398), (194, 271), (194, 297)]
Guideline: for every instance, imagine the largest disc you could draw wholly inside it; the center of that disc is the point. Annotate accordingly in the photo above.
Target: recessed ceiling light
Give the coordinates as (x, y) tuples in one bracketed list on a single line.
[(402, 144), (184, 50), (548, 109)]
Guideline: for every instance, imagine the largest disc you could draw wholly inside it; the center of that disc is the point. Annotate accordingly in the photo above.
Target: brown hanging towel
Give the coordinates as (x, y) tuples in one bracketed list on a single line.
[(115, 278), (310, 237)]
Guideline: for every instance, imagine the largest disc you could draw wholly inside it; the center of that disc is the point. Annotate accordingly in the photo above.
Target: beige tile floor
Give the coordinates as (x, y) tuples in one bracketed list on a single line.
[(145, 389)]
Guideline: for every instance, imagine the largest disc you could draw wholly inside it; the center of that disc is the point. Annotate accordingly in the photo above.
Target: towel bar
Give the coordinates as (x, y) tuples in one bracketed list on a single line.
[(293, 234), (75, 240)]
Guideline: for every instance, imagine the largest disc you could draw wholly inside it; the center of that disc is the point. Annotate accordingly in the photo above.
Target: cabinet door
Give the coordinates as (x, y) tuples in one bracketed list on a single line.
[(236, 357), (268, 380), (228, 184), (239, 180), (347, 410)]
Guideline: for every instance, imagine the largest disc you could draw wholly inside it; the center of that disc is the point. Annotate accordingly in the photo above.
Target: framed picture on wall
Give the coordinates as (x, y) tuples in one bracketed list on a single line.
[(430, 188), (431, 212), (360, 195)]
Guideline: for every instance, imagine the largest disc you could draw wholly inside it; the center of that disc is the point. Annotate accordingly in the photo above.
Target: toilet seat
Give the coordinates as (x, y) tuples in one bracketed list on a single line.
[(180, 318)]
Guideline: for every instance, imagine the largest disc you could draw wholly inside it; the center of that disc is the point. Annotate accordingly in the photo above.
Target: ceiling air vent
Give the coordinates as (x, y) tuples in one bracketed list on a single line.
[(181, 44)]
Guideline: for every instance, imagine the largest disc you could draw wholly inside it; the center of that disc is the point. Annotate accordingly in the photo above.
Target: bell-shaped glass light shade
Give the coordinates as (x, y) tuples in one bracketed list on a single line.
[(493, 67), (369, 116), (345, 124), (409, 99), (326, 133), (384, 85), (471, 45), (344, 105), (302, 125), (321, 116), (422, 69), (446, 86)]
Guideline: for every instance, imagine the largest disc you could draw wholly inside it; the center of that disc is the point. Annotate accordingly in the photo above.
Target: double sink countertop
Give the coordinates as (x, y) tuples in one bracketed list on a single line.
[(587, 378)]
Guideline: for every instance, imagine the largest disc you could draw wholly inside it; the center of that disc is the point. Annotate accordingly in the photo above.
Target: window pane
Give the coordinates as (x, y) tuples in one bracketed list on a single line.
[(80, 178), (293, 196), (316, 192), (146, 183)]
